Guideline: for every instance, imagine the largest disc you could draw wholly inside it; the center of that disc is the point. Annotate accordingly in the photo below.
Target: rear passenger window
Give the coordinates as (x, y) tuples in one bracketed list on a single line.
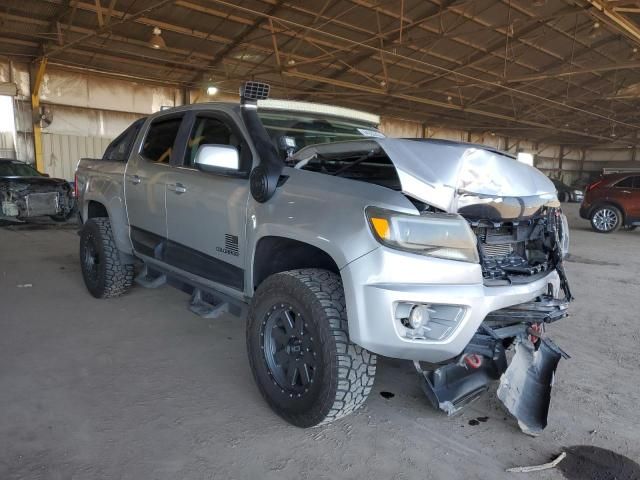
[(625, 183), (119, 149), (636, 182), (158, 144)]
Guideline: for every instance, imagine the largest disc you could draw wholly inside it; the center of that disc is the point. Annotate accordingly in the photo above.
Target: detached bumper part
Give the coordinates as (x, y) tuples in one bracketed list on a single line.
[(525, 387), (453, 386)]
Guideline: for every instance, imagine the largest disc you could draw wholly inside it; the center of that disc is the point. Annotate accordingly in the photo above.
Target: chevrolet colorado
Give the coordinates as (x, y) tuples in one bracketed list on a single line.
[(342, 244)]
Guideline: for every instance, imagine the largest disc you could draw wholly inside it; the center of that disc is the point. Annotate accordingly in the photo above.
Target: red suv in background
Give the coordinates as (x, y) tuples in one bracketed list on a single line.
[(613, 201)]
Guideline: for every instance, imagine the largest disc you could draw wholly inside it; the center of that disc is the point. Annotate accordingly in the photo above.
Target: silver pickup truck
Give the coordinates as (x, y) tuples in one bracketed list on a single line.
[(342, 245)]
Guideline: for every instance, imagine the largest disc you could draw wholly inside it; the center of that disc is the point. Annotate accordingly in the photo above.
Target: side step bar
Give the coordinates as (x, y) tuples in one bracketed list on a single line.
[(206, 301), (204, 308)]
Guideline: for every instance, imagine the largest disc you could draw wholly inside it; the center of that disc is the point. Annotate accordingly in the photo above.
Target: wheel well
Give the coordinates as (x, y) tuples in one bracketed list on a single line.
[(96, 209), (279, 254)]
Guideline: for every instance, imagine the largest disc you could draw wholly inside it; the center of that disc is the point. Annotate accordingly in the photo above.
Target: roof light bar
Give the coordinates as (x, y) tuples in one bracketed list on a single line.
[(307, 107)]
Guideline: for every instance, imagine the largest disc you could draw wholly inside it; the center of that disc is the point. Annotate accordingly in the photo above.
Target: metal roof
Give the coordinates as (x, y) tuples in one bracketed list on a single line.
[(558, 71)]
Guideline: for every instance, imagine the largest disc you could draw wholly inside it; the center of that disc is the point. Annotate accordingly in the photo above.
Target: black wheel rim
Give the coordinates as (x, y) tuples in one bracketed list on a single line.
[(289, 350), (90, 260)]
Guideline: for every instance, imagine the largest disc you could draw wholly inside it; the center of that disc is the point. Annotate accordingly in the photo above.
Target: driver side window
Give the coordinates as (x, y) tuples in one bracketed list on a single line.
[(209, 131)]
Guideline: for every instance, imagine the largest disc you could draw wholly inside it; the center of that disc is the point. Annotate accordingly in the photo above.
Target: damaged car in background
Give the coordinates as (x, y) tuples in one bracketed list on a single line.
[(344, 245), (26, 193)]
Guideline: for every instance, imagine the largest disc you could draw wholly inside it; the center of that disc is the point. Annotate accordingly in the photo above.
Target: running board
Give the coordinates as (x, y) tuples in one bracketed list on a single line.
[(147, 279), (204, 308)]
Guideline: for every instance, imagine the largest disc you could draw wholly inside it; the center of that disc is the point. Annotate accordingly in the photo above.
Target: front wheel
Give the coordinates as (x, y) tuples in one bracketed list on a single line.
[(299, 350), (606, 219)]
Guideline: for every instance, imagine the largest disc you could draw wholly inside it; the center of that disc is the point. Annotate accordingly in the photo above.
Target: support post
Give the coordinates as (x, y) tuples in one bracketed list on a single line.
[(35, 105)]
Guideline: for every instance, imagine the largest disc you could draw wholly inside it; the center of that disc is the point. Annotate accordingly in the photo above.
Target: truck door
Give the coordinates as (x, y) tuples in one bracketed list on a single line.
[(206, 211), (146, 177)]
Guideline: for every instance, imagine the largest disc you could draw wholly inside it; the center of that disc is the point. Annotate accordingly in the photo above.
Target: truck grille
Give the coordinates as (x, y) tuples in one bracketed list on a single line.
[(499, 250), (505, 250)]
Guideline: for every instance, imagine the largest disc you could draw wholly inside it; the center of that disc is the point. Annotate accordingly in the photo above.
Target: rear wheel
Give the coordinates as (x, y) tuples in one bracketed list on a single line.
[(299, 349), (104, 273), (606, 219)]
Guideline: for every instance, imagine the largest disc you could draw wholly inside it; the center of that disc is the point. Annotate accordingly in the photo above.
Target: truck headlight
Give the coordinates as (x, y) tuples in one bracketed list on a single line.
[(434, 234)]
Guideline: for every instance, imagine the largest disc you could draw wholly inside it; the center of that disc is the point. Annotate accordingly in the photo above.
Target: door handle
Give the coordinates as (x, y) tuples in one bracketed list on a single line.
[(178, 188), (135, 179)]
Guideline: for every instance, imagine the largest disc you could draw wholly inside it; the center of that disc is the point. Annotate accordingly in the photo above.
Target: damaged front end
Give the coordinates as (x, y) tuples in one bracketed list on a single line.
[(525, 382), (26, 198), (512, 251), (522, 238)]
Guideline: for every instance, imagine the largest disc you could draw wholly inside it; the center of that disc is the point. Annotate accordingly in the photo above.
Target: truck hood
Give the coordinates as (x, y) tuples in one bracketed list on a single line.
[(473, 180)]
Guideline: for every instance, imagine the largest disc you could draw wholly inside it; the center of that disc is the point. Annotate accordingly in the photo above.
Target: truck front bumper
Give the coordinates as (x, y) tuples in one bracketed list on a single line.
[(383, 281)]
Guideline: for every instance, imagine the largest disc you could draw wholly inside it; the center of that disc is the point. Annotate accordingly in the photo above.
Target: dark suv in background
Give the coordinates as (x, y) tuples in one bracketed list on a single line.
[(613, 201)]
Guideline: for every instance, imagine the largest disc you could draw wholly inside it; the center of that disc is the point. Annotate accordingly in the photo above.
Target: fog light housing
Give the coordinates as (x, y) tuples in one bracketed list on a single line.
[(419, 321)]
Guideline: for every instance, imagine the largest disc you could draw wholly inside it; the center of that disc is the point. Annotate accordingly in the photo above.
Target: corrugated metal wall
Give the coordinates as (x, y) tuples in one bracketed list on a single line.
[(7, 149), (62, 152)]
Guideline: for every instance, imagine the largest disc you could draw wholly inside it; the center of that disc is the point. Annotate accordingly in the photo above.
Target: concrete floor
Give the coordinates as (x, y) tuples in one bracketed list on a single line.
[(139, 388)]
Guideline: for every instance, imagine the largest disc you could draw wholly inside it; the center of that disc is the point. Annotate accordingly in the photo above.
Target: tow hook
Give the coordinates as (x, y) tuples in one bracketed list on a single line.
[(472, 360)]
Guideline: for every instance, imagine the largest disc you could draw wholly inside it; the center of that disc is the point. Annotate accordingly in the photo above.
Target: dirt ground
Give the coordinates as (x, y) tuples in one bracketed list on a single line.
[(139, 388)]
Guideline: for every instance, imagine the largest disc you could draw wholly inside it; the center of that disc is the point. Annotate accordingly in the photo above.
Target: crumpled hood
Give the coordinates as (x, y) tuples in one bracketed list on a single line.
[(473, 180)]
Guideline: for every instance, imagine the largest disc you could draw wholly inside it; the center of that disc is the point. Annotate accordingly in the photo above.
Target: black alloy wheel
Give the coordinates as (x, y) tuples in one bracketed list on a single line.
[(289, 349)]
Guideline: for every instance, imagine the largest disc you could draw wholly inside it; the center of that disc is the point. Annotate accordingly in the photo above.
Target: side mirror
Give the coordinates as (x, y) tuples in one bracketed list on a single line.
[(214, 158)]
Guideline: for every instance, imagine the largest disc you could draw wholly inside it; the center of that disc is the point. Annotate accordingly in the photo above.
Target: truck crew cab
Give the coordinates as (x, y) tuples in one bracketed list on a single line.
[(342, 245)]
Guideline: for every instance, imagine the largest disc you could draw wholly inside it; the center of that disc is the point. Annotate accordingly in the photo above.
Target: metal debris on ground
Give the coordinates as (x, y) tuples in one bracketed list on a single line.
[(537, 468)]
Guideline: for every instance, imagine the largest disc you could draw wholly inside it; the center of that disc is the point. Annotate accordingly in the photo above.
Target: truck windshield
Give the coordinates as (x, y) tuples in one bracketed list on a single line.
[(290, 130)]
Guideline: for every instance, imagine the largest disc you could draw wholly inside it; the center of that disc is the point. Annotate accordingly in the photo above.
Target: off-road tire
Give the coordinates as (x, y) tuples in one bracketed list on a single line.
[(111, 277), (601, 225), (345, 372)]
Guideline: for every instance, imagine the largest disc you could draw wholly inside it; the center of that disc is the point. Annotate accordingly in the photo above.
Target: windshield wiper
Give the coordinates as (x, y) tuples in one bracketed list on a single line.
[(357, 161)]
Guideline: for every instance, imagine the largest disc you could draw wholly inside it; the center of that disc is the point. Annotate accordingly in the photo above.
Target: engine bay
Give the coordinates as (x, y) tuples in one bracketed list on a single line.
[(518, 250)]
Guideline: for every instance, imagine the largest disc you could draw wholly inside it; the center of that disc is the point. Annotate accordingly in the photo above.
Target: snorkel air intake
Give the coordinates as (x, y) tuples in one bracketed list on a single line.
[(264, 177)]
